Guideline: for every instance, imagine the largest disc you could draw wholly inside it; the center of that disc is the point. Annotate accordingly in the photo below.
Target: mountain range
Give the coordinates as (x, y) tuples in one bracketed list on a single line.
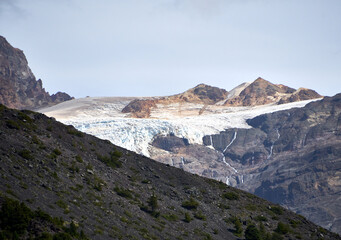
[(277, 142)]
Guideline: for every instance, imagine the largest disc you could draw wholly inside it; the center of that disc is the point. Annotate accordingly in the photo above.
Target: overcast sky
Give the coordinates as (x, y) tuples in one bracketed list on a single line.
[(163, 47)]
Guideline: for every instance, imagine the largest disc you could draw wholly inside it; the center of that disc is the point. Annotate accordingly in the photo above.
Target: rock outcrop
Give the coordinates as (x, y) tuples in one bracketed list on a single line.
[(262, 92), (201, 94), (18, 86), (259, 92)]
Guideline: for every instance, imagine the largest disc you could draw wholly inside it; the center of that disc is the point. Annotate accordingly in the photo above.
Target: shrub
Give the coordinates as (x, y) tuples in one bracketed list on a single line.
[(123, 192), (190, 204), (237, 225), (230, 196), (12, 124), (170, 217), (113, 159), (57, 151), (188, 218), (277, 210), (26, 154), (72, 131), (261, 218), (282, 228), (15, 216), (252, 233), (79, 159), (199, 215)]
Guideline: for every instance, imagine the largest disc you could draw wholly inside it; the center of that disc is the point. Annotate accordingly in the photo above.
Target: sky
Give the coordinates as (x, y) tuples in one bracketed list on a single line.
[(164, 47)]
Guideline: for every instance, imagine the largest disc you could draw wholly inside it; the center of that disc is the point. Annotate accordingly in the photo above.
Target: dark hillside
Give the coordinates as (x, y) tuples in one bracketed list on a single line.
[(105, 192)]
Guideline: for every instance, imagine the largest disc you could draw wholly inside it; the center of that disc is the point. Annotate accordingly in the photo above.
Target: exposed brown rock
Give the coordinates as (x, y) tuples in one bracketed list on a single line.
[(140, 108), (202, 94), (259, 92), (18, 86), (300, 95), (262, 92)]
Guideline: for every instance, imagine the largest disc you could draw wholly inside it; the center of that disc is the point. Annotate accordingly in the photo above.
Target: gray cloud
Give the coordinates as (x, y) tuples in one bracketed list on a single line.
[(161, 47)]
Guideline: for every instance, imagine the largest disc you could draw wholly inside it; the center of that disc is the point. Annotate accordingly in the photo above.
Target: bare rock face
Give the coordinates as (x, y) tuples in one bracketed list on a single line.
[(18, 86), (262, 92), (300, 95), (290, 157), (140, 108), (201, 94)]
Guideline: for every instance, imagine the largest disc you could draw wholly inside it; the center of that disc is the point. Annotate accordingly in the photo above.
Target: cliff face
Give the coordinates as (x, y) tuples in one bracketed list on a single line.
[(290, 157), (18, 86), (91, 186), (293, 158)]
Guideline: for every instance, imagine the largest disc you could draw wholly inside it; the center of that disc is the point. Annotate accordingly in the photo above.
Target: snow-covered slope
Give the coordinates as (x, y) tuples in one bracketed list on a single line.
[(102, 117)]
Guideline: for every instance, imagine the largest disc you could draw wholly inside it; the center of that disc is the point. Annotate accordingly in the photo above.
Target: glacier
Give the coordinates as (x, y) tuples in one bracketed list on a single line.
[(102, 117)]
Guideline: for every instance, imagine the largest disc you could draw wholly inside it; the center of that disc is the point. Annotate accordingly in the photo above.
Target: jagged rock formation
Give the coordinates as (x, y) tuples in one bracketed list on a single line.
[(18, 86), (259, 92), (201, 94), (111, 193), (262, 92)]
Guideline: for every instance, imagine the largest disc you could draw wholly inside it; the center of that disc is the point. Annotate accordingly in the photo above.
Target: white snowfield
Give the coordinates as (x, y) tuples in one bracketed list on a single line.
[(102, 117)]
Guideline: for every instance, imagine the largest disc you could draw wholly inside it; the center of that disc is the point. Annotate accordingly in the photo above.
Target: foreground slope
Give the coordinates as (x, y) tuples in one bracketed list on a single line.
[(109, 192), (19, 87)]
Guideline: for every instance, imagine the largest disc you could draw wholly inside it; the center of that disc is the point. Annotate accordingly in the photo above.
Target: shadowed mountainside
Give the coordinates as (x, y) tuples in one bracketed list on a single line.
[(108, 192)]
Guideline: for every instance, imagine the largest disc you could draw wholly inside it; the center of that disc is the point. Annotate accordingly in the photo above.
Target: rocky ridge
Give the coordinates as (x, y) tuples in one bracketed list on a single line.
[(96, 190), (201, 94), (19, 87), (259, 92)]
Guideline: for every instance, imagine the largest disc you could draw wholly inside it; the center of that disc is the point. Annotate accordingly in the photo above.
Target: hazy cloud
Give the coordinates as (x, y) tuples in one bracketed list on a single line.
[(161, 47)]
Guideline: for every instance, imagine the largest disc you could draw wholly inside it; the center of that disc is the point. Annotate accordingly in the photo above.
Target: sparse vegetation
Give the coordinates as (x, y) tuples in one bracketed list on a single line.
[(112, 160), (190, 204), (123, 192), (230, 195)]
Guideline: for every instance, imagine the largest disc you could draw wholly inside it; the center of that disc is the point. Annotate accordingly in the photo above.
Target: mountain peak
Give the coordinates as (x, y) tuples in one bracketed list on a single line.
[(261, 92), (19, 87)]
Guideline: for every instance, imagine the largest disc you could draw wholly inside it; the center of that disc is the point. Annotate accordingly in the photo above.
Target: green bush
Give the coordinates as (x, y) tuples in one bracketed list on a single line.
[(170, 217), (238, 229), (199, 215), (15, 217), (188, 218), (57, 151), (123, 192), (12, 124), (282, 228), (252, 233), (72, 131), (26, 154), (190, 204), (261, 218), (230, 196), (112, 160), (277, 210)]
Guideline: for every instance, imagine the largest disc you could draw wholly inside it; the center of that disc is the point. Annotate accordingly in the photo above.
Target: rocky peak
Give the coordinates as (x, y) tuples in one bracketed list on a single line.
[(202, 93), (261, 92), (19, 87)]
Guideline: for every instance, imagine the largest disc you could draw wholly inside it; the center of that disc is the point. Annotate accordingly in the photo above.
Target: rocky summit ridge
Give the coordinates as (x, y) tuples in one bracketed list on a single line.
[(259, 92), (59, 183), (18, 86)]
